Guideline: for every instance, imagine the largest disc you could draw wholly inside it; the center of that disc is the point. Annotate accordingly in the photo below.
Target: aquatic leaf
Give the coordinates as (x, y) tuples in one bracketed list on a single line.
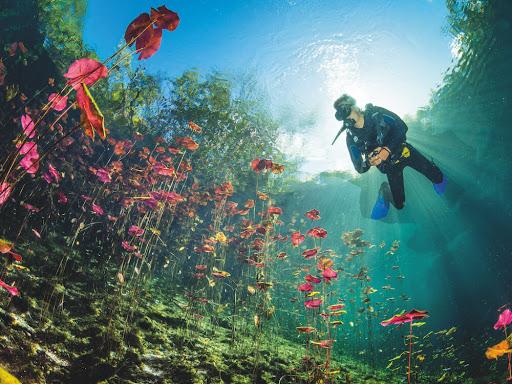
[(5, 246), (187, 142), (498, 350), (164, 18), (120, 278), (261, 195), (194, 127), (277, 168), (297, 238), (28, 126), (6, 377), (251, 290), (335, 307), (137, 27), (313, 214), (220, 274), (5, 192), (313, 279), (313, 293), (103, 175), (148, 43), (61, 198), (201, 267), (324, 263), (329, 274), (57, 102), (305, 329), (405, 317), (274, 211), (126, 245), (326, 344), (317, 232), (96, 208), (87, 71), (30, 160), (91, 117), (306, 287), (504, 319), (221, 237), (308, 253), (135, 231), (36, 233), (13, 291), (314, 303)]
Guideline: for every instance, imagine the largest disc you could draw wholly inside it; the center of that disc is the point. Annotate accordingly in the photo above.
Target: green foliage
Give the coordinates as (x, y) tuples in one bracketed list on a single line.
[(237, 126)]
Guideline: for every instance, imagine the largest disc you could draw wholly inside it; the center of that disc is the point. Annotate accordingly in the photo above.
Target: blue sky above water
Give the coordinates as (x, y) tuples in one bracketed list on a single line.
[(303, 53)]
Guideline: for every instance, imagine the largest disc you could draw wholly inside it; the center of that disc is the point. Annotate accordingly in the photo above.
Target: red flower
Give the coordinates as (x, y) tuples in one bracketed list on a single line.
[(405, 318), (297, 238), (314, 214), (317, 232)]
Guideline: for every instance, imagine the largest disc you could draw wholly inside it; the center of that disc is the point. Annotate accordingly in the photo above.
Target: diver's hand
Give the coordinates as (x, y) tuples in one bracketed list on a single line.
[(379, 155)]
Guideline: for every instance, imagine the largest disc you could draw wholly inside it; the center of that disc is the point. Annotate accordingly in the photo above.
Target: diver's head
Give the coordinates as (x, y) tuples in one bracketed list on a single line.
[(347, 111)]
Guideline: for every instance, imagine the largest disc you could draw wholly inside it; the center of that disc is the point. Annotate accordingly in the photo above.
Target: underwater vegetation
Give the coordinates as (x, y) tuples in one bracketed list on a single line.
[(152, 236)]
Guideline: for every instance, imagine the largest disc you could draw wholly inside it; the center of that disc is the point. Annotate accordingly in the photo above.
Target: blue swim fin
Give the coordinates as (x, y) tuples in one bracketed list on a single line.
[(440, 187), (380, 209)]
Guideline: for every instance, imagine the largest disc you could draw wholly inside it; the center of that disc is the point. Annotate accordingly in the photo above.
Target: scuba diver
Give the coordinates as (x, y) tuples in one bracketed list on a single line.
[(376, 137)]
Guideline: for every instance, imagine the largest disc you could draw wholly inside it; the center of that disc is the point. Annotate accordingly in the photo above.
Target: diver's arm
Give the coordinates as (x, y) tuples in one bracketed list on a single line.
[(360, 164)]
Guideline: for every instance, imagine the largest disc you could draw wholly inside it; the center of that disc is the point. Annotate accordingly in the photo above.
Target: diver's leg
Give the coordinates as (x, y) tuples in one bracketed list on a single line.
[(424, 166), (396, 184)]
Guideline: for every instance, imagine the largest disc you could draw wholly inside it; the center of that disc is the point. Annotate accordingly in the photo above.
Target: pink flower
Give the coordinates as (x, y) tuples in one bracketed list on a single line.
[(28, 126), (5, 192), (504, 319), (135, 231), (12, 290), (314, 303), (306, 287), (58, 103), (314, 214)]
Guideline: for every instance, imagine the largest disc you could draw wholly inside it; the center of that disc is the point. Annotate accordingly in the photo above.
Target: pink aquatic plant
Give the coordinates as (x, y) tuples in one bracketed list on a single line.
[(9, 288), (28, 126), (408, 317), (504, 319), (314, 303), (5, 192), (135, 231), (97, 209), (57, 102), (306, 287)]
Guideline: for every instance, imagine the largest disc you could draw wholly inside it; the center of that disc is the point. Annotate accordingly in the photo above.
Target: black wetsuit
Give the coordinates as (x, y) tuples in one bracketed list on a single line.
[(383, 128)]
